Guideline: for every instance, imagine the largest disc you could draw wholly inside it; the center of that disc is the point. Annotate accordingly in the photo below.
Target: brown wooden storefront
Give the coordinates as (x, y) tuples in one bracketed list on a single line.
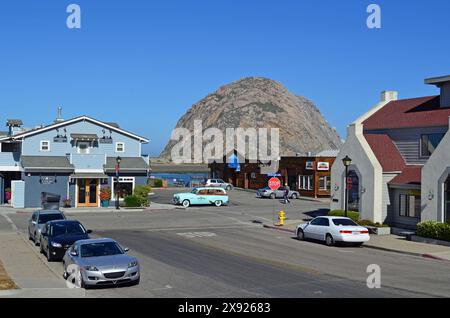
[(311, 176)]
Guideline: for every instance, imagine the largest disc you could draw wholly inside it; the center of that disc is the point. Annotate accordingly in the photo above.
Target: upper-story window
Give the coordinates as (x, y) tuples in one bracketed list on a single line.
[(120, 147), (83, 147), (429, 143), (45, 145)]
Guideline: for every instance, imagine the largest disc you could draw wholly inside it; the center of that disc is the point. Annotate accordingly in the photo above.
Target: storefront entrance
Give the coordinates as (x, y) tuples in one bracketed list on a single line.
[(88, 192)]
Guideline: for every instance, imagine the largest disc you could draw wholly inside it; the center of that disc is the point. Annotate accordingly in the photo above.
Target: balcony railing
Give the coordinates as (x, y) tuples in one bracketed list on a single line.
[(9, 159), (88, 161)]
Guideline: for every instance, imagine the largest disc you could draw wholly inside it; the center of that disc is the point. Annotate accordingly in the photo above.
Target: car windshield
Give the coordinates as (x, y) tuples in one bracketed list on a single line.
[(44, 218), (68, 229), (344, 222), (100, 249)]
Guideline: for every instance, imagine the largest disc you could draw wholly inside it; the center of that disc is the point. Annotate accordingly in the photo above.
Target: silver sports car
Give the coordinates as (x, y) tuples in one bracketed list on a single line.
[(100, 262)]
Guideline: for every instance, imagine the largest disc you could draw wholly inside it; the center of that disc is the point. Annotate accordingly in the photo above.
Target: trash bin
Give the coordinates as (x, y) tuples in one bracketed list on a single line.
[(50, 201)]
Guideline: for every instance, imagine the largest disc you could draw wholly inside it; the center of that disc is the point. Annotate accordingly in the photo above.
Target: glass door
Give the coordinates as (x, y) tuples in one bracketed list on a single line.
[(88, 192)]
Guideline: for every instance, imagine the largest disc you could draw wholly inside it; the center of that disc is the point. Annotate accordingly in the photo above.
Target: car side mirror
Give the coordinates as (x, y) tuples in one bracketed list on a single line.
[(89, 231), (73, 253), (126, 249), (33, 222)]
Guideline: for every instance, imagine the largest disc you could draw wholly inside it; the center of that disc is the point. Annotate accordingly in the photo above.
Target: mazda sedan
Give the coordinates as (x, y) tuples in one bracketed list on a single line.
[(100, 262), (332, 229)]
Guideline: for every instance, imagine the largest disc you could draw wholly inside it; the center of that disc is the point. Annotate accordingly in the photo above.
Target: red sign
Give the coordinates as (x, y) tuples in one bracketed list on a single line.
[(274, 184)]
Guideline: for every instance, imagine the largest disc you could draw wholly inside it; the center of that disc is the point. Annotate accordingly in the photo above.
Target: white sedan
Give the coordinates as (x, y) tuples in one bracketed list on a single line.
[(333, 229)]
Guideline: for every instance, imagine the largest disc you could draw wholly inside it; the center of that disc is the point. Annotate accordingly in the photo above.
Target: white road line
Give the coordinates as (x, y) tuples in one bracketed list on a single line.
[(205, 228), (14, 227)]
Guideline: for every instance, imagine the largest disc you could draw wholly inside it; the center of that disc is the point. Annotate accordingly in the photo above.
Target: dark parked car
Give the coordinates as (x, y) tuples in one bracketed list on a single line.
[(58, 236), (38, 220)]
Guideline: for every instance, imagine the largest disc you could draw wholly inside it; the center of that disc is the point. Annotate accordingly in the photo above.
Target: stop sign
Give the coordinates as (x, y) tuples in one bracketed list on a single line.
[(274, 184)]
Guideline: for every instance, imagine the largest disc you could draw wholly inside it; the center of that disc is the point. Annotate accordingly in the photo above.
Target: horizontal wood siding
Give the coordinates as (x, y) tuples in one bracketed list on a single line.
[(408, 141)]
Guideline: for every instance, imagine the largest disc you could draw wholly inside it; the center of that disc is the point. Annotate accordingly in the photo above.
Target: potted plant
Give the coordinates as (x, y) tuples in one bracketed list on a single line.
[(8, 195), (67, 203), (105, 196)]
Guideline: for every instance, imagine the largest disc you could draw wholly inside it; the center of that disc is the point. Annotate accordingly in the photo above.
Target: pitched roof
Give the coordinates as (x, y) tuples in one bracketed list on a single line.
[(76, 119), (127, 164), (46, 162), (386, 152), (405, 113), (411, 175)]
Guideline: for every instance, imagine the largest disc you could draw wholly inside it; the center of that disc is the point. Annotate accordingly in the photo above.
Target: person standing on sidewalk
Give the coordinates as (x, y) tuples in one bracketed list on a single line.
[(287, 189)]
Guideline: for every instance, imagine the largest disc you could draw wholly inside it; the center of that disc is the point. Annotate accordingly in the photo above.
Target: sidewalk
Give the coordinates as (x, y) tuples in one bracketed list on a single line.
[(391, 243), (153, 207), (33, 277)]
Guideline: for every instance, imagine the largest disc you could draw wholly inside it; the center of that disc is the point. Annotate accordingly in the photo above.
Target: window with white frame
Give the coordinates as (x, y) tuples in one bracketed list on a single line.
[(324, 183), (306, 183), (45, 145), (120, 147)]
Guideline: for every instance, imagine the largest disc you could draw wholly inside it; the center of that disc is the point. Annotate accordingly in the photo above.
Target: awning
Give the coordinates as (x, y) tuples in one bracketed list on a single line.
[(84, 137), (89, 176)]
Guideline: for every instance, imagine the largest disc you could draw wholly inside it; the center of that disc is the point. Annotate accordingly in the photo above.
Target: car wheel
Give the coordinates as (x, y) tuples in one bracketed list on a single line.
[(80, 281), (329, 241), (300, 235), (218, 203), (41, 250), (273, 196), (36, 242), (186, 203), (49, 255), (294, 196), (228, 188)]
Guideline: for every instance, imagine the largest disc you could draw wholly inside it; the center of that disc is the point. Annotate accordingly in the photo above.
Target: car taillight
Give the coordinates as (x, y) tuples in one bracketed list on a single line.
[(346, 232), (364, 232)]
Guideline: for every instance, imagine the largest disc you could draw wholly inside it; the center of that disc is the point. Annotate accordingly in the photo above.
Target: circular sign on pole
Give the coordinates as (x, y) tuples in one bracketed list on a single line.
[(274, 184)]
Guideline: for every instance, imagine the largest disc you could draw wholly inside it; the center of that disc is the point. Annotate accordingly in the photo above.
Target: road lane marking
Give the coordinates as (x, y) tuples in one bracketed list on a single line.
[(197, 234), (14, 227)]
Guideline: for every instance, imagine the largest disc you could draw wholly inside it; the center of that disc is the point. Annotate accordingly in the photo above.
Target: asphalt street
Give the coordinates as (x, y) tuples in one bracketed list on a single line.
[(222, 252)]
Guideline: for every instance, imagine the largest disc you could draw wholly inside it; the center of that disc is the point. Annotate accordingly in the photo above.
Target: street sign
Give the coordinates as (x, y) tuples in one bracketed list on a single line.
[(274, 174), (274, 184)]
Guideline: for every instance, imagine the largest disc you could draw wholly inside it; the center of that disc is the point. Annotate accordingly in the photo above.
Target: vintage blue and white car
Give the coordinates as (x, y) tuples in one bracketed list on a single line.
[(202, 196)]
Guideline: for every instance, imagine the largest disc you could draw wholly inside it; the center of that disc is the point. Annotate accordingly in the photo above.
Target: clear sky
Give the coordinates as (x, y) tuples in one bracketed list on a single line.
[(143, 63)]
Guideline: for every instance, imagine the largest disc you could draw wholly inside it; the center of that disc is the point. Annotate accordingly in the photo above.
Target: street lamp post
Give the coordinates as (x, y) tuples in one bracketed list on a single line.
[(347, 162), (118, 160)]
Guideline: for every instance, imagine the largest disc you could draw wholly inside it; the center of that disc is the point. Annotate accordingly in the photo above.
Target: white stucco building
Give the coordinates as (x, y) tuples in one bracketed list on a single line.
[(400, 151)]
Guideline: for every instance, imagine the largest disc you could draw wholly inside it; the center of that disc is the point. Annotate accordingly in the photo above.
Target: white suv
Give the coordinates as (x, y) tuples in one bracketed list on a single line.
[(219, 183)]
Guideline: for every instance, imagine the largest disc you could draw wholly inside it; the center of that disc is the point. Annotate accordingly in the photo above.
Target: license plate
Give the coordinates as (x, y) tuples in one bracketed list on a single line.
[(356, 233)]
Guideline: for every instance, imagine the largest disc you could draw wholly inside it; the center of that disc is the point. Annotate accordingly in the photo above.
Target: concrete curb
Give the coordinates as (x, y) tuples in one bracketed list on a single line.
[(426, 255), (278, 228)]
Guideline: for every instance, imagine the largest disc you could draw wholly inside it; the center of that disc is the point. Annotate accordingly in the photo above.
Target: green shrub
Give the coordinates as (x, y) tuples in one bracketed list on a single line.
[(158, 183), (142, 193), (132, 201), (434, 230), (370, 223), (351, 214)]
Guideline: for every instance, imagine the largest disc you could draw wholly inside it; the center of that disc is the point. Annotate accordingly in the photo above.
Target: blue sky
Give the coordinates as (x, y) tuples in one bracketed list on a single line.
[(143, 63)]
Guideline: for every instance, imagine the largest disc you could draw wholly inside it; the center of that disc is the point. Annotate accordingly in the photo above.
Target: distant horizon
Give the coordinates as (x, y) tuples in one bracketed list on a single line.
[(143, 64)]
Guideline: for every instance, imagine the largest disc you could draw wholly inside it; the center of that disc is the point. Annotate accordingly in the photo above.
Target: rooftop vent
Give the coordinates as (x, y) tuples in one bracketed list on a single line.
[(59, 118), (443, 82)]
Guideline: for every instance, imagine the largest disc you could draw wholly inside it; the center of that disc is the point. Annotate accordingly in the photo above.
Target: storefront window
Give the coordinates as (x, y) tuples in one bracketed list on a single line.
[(353, 191), (306, 183), (447, 201), (325, 184)]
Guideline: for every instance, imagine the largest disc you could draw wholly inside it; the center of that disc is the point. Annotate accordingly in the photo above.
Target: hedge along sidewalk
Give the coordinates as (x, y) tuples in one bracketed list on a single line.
[(390, 243)]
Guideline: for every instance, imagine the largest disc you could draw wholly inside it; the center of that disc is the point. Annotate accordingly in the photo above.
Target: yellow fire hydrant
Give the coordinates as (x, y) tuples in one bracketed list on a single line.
[(281, 217)]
